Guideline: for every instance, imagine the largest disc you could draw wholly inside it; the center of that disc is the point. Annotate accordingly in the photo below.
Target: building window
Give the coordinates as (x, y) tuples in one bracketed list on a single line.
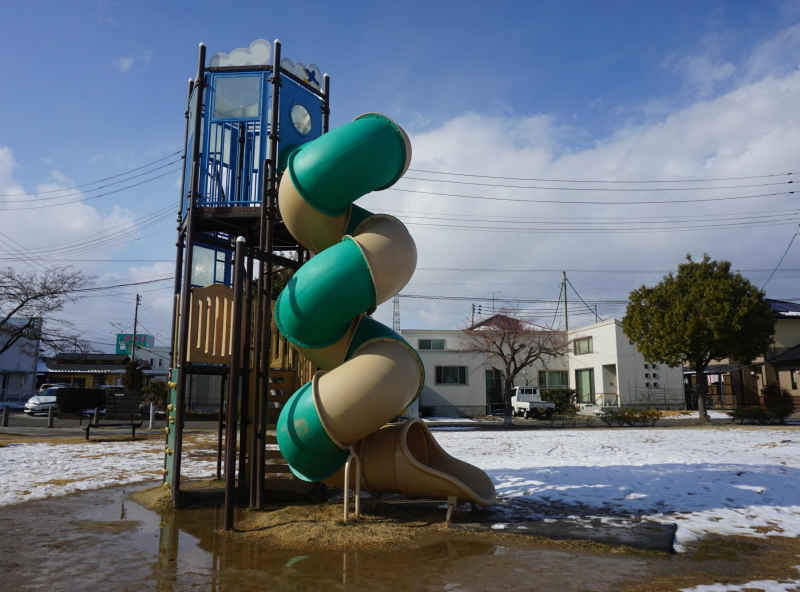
[(655, 375), (646, 385), (655, 385), (152, 363), (646, 366), (583, 346), (655, 366), (794, 379), (437, 344), (553, 379), (451, 375), (647, 375), (160, 362)]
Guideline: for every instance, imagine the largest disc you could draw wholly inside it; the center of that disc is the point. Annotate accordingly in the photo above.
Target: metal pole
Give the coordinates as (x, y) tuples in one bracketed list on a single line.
[(248, 332), (566, 317), (135, 323), (179, 242), (183, 324), (152, 416), (233, 384), (220, 424), (51, 413), (596, 318), (326, 104), (6, 409), (269, 198)]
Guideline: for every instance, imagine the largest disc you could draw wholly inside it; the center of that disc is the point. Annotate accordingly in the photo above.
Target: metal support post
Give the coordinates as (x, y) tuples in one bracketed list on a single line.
[(357, 489), (248, 331), (6, 409), (51, 414), (268, 217), (152, 425), (233, 383), (183, 323), (220, 425)]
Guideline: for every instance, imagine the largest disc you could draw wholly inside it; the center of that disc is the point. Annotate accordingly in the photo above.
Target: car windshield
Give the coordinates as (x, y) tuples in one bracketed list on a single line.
[(48, 392)]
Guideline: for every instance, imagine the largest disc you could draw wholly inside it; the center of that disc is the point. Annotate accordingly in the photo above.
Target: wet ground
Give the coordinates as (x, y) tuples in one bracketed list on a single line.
[(103, 540)]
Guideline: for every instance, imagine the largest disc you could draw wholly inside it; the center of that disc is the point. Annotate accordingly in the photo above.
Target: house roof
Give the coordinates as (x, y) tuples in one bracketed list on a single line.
[(790, 355), (499, 321), (783, 309), (86, 363)]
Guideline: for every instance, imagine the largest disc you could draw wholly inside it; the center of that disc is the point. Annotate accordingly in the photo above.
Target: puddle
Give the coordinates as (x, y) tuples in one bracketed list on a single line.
[(103, 540)]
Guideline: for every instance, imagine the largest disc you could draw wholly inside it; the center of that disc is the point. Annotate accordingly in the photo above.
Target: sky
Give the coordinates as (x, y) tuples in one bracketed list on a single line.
[(567, 90)]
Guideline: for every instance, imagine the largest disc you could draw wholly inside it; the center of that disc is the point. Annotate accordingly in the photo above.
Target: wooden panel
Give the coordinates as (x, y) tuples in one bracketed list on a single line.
[(210, 318)]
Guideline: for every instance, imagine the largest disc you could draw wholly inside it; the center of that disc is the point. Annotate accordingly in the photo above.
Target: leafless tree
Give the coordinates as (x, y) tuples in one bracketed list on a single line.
[(28, 301), (510, 342)]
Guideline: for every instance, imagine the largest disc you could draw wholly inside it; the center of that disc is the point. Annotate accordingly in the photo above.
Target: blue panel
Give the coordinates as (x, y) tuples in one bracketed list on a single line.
[(291, 136)]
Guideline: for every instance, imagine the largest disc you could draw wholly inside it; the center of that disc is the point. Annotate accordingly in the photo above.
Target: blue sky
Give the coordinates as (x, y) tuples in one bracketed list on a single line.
[(94, 88)]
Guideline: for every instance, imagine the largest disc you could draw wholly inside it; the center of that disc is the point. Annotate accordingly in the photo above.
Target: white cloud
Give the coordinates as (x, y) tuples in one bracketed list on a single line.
[(751, 130), (124, 63)]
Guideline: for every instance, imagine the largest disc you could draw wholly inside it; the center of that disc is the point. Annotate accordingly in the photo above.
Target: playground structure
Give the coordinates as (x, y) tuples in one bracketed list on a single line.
[(263, 178)]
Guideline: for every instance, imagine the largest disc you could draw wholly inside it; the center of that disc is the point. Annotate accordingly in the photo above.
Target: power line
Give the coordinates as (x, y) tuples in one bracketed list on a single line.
[(604, 180), (782, 258), (579, 296), (92, 197), (601, 203), (496, 270), (606, 189), (88, 190), (95, 182)]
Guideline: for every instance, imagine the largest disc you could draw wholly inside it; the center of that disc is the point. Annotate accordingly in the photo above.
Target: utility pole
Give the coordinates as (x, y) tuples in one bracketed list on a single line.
[(473, 315), (596, 318), (135, 321), (566, 317)]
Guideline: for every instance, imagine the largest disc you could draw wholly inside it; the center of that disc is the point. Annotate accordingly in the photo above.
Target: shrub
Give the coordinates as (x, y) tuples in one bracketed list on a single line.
[(619, 416), (156, 392), (76, 400), (564, 399), (567, 418), (426, 410), (759, 415), (778, 401), (133, 377)]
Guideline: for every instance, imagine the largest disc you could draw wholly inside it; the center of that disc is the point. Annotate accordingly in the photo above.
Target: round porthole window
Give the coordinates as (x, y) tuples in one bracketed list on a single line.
[(301, 119)]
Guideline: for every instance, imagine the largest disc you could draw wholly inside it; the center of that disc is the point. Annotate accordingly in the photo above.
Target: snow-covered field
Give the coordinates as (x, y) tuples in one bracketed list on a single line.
[(37, 471), (722, 480)]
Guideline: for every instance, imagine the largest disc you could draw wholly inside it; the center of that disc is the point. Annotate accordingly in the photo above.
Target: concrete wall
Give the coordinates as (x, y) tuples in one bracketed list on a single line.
[(787, 335)]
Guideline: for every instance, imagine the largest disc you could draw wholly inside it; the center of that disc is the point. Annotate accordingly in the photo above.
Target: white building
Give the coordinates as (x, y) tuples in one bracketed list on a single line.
[(602, 365)]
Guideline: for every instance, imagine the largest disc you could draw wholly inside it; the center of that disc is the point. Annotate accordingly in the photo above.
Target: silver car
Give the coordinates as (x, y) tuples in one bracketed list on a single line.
[(41, 402)]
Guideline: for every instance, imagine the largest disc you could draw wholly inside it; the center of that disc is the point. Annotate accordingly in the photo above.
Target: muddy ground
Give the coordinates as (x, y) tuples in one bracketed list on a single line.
[(104, 540)]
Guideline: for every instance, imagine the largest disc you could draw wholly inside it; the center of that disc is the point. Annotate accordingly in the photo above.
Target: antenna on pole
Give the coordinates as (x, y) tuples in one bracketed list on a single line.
[(396, 313)]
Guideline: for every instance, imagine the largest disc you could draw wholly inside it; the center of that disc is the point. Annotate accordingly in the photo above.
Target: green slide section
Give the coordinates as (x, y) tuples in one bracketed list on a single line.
[(318, 303), (336, 169), (306, 446)]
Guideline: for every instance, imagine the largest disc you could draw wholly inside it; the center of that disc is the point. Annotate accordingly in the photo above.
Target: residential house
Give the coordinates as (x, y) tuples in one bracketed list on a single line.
[(17, 366), (602, 365), (84, 370)]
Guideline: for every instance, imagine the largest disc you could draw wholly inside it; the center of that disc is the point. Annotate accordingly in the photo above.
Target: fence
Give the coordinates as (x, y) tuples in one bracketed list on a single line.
[(16, 397), (656, 398)]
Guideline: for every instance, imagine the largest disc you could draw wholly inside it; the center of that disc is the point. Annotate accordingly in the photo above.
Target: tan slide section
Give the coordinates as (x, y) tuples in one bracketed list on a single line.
[(406, 459), (372, 388)]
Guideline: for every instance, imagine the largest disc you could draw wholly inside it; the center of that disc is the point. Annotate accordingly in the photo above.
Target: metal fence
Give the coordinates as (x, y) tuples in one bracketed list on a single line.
[(655, 398), (16, 397)]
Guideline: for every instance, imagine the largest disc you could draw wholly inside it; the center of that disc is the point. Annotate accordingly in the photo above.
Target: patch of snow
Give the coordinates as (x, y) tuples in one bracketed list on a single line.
[(717, 480), (501, 526), (42, 470)]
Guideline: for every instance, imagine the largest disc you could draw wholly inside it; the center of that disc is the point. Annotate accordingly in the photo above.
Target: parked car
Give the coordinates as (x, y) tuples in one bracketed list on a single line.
[(526, 401), (42, 401), (48, 385)]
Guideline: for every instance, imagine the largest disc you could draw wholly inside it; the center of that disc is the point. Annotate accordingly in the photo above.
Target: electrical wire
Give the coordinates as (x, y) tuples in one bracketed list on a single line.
[(782, 258), (584, 202), (604, 180), (581, 298), (94, 182)]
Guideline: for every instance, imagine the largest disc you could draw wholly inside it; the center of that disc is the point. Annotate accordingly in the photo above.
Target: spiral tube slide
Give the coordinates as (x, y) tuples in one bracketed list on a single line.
[(368, 373)]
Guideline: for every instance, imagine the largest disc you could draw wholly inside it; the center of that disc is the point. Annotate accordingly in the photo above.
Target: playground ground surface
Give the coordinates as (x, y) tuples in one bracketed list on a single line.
[(731, 490)]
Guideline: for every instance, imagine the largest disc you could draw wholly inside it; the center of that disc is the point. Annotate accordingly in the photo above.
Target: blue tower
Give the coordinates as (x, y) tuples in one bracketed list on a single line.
[(246, 112)]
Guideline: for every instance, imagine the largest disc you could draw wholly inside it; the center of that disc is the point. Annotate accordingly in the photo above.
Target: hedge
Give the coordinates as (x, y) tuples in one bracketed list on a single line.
[(620, 416), (564, 399), (76, 400)]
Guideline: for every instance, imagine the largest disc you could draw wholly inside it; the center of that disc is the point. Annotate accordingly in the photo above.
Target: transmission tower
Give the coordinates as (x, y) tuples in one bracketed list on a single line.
[(396, 313)]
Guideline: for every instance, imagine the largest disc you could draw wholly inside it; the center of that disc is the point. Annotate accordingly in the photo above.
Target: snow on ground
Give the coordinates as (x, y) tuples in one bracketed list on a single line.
[(41, 470), (721, 480)]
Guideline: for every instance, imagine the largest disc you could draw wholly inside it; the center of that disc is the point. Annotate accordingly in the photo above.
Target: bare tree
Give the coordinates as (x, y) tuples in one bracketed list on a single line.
[(28, 301), (510, 343)]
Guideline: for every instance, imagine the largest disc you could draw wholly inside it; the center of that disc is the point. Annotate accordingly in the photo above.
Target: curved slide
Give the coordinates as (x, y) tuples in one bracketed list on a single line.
[(368, 373)]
